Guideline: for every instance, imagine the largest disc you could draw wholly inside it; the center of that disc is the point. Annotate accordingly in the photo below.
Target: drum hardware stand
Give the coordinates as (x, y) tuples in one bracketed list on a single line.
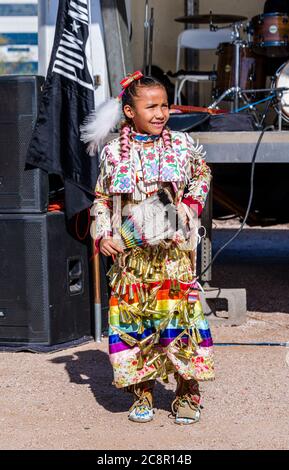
[(213, 27), (273, 93), (259, 120), (234, 91), (279, 115), (279, 95), (148, 40), (278, 106), (251, 106)]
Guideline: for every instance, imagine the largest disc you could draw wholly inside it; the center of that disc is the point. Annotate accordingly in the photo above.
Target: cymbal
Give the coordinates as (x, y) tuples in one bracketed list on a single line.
[(214, 18)]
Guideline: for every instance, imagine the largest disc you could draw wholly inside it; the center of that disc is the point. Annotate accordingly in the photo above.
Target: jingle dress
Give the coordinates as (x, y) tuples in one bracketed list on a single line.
[(156, 322)]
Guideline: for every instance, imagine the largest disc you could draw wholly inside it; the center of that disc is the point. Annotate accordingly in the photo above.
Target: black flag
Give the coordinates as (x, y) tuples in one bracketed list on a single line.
[(68, 97)]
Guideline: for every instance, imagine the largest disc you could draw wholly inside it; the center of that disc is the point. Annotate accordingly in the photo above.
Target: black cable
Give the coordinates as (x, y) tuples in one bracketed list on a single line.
[(253, 162), (268, 104)]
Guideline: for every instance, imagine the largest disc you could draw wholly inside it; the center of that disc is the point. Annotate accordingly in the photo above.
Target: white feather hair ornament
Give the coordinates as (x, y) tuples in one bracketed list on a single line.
[(99, 123), (104, 118)]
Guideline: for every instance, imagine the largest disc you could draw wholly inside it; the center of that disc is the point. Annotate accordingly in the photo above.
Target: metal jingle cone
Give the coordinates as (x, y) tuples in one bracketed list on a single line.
[(138, 293), (197, 335), (138, 267), (140, 362), (147, 271), (113, 280), (123, 315), (145, 267), (111, 271), (142, 295), (123, 289), (131, 292), (153, 303), (141, 267), (186, 316), (152, 270), (130, 262), (172, 287), (152, 299), (118, 287), (144, 308), (177, 286)]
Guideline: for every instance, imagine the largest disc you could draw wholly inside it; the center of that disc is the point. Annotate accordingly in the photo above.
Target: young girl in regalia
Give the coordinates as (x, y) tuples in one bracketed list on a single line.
[(156, 323)]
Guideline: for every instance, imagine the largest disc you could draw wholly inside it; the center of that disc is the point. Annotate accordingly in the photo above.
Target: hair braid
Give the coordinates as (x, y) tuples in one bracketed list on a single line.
[(166, 135), (124, 141)]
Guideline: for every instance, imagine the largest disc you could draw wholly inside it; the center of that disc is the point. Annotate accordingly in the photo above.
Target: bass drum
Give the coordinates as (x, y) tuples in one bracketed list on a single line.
[(252, 74), (281, 79), (270, 33)]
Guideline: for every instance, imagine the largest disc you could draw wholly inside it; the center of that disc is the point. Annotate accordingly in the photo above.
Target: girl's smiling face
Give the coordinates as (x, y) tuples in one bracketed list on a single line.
[(150, 110)]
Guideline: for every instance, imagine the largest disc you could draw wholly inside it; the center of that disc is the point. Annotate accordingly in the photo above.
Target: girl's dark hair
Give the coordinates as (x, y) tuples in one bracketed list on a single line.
[(131, 91)]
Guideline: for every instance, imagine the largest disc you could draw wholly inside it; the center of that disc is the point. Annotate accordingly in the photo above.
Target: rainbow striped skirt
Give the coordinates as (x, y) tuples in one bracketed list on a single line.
[(156, 322)]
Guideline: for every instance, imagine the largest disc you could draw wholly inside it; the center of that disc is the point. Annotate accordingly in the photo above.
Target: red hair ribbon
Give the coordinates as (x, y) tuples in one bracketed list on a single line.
[(131, 78)]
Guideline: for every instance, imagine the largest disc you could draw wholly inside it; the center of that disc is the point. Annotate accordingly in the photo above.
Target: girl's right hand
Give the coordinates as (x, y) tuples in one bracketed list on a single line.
[(108, 247)]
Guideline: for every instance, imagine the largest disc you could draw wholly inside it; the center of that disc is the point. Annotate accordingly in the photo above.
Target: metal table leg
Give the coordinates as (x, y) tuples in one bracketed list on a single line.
[(236, 298), (206, 243)]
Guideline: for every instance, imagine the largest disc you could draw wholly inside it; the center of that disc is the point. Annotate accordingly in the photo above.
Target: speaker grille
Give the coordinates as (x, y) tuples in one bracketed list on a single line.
[(22, 273), (18, 96), (36, 304), (20, 190), (36, 275)]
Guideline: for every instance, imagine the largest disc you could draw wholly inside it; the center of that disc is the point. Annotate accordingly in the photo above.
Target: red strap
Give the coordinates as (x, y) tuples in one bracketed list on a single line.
[(191, 202)]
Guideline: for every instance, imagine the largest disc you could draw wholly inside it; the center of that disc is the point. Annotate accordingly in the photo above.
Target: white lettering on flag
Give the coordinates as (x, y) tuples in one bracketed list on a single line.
[(81, 13), (70, 55)]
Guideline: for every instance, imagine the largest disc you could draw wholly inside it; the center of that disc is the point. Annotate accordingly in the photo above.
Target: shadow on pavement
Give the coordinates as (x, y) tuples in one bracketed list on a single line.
[(93, 368)]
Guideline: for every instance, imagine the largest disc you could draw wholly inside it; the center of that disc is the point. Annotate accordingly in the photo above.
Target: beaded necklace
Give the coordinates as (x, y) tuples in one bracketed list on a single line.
[(144, 138)]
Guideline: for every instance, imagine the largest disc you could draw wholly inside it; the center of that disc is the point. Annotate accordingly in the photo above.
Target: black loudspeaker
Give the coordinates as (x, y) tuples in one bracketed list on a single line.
[(45, 293), (20, 190)]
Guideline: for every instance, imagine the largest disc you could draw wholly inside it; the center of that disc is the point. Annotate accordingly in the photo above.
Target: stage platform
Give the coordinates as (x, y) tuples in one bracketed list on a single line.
[(238, 147)]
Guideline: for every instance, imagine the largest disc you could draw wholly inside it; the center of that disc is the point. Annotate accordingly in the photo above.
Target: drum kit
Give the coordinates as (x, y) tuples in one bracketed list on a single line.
[(241, 73)]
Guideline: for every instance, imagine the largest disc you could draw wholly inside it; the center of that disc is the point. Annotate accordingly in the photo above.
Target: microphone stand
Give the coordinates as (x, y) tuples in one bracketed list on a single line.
[(234, 91), (148, 40), (146, 36)]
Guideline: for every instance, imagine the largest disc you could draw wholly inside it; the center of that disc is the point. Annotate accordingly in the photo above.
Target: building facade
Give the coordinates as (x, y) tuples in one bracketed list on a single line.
[(18, 36)]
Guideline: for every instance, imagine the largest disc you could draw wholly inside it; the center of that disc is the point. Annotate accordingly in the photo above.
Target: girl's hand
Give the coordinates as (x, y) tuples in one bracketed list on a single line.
[(108, 247)]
